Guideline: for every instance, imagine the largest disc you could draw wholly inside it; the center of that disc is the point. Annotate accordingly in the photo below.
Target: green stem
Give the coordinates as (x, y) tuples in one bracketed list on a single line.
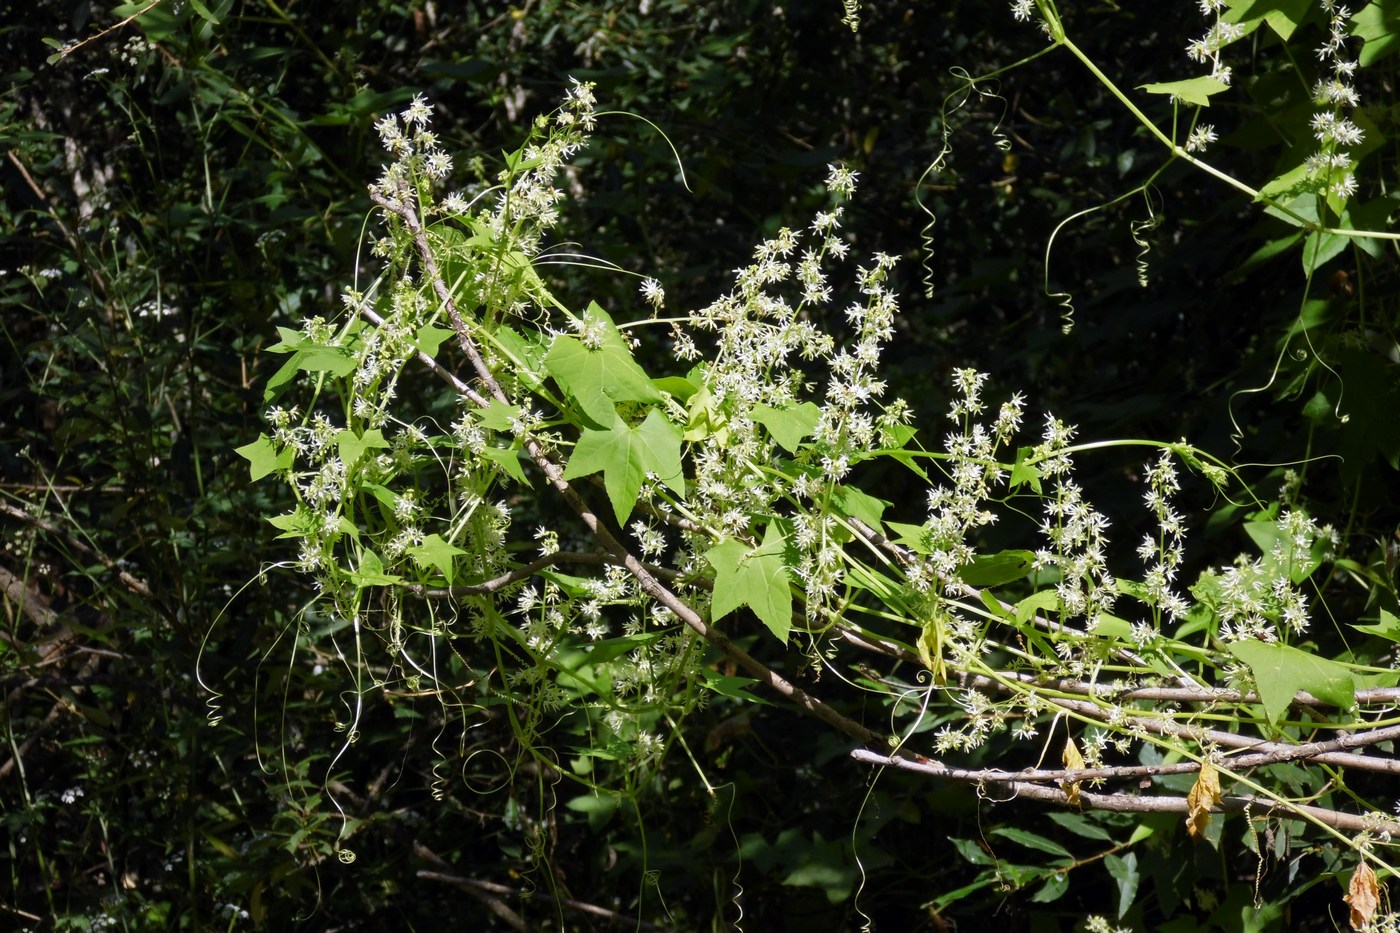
[(1180, 153)]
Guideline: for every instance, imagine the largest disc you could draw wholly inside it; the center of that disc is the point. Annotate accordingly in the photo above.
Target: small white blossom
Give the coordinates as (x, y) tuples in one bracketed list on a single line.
[(1201, 137)]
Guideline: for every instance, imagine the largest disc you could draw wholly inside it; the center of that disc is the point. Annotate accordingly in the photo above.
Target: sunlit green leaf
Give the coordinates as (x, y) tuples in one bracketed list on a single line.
[(788, 425), (1281, 672), (435, 552), (997, 569), (598, 378), (625, 455), (754, 577), (1192, 91), (263, 457), (1388, 627)]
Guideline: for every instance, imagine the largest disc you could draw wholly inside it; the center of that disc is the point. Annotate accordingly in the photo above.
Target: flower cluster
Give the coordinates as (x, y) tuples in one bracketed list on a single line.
[(415, 148), (758, 332), (1164, 552), (956, 512), (1076, 533), (1335, 132), (1256, 597), (529, 205), (1207, 49)]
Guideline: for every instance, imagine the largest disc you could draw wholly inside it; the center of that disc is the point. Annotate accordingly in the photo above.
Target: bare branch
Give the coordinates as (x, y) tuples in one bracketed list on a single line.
[(491, 892), (134, 584), (1126, 803)]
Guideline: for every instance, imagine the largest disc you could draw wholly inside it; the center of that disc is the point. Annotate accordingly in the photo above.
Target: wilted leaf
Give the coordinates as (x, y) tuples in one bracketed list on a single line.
[(1074, 762), (1205, 793), (1363, 896)]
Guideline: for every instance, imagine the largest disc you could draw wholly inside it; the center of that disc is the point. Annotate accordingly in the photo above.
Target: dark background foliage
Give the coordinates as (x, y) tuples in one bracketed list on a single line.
[(181, 185)]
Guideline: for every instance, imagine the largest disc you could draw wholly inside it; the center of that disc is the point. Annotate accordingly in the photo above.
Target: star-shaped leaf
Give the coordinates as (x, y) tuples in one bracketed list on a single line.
[(1192, 91), (435, 552), (1281, 672), (788, 425), (263, 457), (597, 378), (625, 455), (753, 577)]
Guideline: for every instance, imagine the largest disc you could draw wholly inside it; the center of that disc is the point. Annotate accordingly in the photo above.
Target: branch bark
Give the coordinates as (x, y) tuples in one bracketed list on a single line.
[(1126, 803)]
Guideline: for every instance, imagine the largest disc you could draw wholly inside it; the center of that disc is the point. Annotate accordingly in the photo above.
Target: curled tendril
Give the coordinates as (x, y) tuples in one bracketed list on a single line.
[(1139, 230), (346, 856), (215, 714), (485, 787), (954, 102), (1066, 303)]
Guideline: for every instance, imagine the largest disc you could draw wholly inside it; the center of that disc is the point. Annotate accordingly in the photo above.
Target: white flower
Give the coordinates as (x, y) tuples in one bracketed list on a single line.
[(419, 111), (1200, 137), (841, 180), (653, 293)]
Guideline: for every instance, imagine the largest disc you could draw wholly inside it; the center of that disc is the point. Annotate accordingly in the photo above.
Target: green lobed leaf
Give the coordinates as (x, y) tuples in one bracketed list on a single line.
[(1196, 91), (263, 457), (914, 537), (509, 460), (677, 387), (1378, 24), (854, 503), (788, 425), (596, 379), (997, 569), (753, 577), (371, 572), (499, 415), (1282, 672), (1022, 473), (1043, 601), (732, 687), (435, 552), (704, 418), (1283, 16), (526, 355), (1388, 628), (607, 649), (429, 338), (351, 446), (625, 455)]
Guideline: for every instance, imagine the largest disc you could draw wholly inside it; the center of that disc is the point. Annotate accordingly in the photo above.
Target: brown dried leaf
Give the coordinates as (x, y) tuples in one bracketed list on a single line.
[(1073, 761), (1205, 793), (1364, 896)]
